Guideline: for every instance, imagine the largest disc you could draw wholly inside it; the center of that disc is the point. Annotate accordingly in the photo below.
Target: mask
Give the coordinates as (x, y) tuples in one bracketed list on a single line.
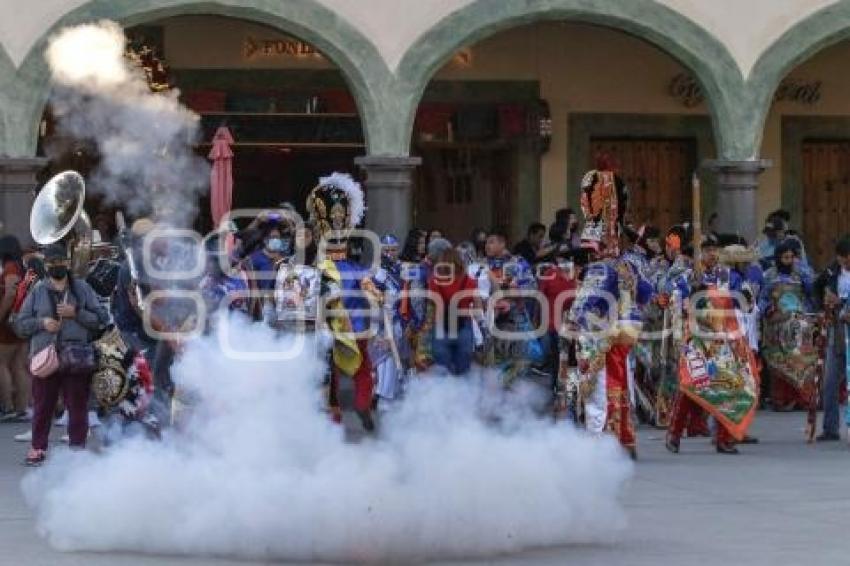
[(58, 272), (275, 245)]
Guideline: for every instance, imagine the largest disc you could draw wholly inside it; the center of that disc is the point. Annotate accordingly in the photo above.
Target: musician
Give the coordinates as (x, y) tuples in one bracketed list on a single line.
[(832, 291), (126, 310), (62, 312)]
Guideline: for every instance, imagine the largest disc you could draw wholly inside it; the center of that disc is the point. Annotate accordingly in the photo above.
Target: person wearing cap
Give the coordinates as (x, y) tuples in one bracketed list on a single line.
[(60, 311), (785, 299)]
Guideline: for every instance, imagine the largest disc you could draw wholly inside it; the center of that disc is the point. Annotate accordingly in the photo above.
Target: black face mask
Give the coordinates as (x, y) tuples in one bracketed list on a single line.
[(57, 271)]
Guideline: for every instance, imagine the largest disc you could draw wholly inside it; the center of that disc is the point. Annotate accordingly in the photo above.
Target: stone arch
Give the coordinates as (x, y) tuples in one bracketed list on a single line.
[(667, 29), (824, 28), (358, 59), (7, 76)]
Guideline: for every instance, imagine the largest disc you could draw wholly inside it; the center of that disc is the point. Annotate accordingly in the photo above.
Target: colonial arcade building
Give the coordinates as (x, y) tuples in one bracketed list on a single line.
[(480, 112)]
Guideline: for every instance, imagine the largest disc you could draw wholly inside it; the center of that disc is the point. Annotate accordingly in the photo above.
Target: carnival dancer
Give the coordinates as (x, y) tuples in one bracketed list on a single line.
[(742, 260), (387, 347), (670, 274), (789, 350), (717, 369), (296, 292), (413, 307), (336, 206), (606, 322), (509, 276), (612, 293), (643, 356)]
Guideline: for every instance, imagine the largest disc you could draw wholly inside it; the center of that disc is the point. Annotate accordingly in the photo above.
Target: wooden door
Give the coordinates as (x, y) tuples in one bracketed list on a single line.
[(826, 197), (658, 173), (460, 187)]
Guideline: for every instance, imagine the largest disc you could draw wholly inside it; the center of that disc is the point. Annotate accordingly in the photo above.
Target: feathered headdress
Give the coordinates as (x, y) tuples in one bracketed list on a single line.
[(336, 204)]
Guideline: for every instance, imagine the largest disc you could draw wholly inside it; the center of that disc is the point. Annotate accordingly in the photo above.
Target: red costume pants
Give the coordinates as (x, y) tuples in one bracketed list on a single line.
[(363, 383), (686, 412), (620, 422)]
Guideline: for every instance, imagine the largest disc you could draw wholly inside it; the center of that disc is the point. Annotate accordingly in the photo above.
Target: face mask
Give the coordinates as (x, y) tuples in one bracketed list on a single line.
[(58, 271), (275, 245)]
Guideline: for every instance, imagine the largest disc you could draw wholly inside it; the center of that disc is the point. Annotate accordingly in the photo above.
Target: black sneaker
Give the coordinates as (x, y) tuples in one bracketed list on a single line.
[(828, 437), (672, 444), (726, 448)]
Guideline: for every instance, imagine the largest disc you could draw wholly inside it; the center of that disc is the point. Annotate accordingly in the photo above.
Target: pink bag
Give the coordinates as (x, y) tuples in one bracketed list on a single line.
[(45, 363)]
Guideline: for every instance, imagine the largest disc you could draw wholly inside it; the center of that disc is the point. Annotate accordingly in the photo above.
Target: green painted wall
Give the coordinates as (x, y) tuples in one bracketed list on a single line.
[(365, 71), (388, 100)]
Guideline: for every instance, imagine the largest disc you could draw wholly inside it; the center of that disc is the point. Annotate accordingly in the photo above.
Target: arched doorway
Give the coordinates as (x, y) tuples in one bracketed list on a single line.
[(690, 47), (286, 104), (801, 93), (362, 67), (508, 126)]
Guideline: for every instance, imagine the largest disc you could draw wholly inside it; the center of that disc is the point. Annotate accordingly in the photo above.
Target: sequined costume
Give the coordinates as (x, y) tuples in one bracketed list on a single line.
[(606, 314), (790, 349), (511, 356), (336, 206)]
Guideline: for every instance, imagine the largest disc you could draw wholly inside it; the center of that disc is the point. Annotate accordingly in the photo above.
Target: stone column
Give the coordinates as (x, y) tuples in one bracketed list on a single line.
[(737, 182), (389, 192), (17, 187)]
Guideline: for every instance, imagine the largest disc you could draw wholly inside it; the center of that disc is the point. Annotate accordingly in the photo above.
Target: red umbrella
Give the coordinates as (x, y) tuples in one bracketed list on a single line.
[(221, 176)]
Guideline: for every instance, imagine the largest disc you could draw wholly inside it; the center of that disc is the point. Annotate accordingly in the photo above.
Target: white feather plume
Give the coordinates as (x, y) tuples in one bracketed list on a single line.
[(356, 199)]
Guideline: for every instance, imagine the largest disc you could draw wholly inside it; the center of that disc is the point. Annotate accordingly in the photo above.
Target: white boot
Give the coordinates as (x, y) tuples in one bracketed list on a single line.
[(24, 436)]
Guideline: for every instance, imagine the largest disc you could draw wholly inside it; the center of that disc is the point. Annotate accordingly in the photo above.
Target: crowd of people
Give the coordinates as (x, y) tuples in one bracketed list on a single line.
[(611, 321)]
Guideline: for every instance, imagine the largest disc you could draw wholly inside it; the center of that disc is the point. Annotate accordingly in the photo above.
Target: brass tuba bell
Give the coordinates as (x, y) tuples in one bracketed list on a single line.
[(57, 214)]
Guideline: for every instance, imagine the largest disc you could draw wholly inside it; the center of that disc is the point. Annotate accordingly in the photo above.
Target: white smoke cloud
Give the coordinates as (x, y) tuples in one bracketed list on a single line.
[(260, 472), (144, 139)]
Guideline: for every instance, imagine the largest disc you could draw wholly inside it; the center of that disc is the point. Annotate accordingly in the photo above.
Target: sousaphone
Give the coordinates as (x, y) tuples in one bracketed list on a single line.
[(57, 215)]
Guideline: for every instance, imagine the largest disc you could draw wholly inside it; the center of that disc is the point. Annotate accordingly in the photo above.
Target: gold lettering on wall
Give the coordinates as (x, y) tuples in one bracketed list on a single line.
[(253, 48), (687, 89)]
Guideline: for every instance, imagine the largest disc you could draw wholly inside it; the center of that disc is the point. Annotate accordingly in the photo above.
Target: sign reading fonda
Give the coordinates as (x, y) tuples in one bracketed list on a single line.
[(253, 48)]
